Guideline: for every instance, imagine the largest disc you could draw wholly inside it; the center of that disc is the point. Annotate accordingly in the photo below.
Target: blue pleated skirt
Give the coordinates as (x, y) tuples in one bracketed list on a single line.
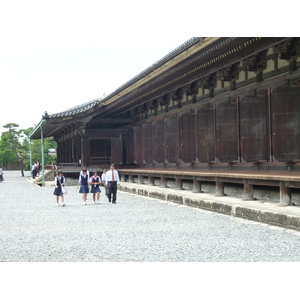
[(95, 189), (84, 189), (58, 191)]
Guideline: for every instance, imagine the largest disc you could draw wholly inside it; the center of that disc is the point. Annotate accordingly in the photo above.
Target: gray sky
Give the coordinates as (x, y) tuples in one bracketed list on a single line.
[(59, 54)]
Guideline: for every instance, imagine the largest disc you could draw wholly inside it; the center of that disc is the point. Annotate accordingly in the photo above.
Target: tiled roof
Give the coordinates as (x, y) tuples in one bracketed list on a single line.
[(76, 110), (88, 105)]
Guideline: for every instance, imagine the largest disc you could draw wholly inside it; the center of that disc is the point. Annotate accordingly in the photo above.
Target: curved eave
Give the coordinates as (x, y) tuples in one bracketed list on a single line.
[(36, 132), (131, 83), (82, 113), (58, 123)]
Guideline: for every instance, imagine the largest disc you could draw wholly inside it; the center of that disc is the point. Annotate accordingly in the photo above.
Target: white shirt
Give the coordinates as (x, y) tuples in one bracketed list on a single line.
[(109, 176), (87, 174), (60, 179), (103, 177)]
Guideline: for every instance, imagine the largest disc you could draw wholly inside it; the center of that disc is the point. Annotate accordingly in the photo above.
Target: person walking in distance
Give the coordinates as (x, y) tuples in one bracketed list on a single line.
[(84, 185), (59, 181), (95, 189), (1, 175), (112, 183), (33, 171), (88, 174), (103, 178)]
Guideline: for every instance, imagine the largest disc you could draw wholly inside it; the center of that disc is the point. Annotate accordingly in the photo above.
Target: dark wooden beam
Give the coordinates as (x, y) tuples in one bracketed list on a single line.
[(111, 121)]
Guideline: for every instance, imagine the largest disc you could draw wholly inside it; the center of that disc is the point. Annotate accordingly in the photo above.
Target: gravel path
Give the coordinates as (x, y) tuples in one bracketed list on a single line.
[(136, 229)]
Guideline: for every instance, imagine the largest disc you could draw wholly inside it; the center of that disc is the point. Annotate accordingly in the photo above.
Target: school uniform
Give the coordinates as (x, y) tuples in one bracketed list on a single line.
[(84, 186), (112, 181), (95, 181), (88, 174), (58, 181), (103, 178)]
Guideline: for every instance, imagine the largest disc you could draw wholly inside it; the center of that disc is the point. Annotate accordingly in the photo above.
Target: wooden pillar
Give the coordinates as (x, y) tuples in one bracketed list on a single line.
[(219, 188), (78, 149), (130, 178), (123, 177), (163, 181), (140, 179), (178, 183), (72, 150), (82, 150), (285, 194), (151, 180), (248, 191), (66, 151), (58, 158), (82, 145), (196, 186), (87, 150), (69, 150)]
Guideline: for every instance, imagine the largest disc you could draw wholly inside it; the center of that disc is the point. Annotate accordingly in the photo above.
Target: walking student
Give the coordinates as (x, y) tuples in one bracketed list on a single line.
[(95, 189), (1, 175), (59, 181), (112, 183), (87, 172), (84, 185), (103, 178), (33, 171)]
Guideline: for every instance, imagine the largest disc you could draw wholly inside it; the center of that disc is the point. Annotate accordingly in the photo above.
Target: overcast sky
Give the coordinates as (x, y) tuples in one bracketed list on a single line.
[(61, 54), (58, 54)]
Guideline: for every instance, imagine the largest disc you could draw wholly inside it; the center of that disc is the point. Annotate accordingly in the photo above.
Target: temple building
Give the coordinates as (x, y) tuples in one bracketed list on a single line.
[(217, 104)]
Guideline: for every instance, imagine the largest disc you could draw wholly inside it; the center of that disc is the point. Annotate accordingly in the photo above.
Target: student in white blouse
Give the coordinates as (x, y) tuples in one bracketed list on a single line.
[(112, 183), (103, 179), (87, 172)]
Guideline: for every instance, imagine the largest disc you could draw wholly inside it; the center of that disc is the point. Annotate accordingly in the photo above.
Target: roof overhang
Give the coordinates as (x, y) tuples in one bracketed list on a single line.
[(187, 63)]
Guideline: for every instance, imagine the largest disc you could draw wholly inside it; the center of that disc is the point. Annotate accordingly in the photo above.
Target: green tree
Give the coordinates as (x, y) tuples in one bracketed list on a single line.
[(13, 139), (15, 147), (6, 152), (36, 148)]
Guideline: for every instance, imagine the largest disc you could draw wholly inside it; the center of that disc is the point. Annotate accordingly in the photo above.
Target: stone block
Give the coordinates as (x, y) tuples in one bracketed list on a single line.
[(175, 198)]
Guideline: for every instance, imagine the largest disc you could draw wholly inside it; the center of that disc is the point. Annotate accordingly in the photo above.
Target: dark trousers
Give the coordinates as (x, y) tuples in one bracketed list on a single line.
[(105, 187), (112, 189)]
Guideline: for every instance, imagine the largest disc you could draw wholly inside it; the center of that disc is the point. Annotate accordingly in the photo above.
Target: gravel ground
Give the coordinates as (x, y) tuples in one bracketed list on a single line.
[(136, 229)]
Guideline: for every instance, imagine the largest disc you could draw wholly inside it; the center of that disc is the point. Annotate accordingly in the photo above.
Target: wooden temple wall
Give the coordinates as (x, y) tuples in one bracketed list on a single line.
[(240, 111), (250, 128), (69, 148)]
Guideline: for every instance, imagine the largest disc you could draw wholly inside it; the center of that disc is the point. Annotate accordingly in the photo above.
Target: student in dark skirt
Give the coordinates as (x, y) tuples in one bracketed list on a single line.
[(95, 189), (59, 181), (84, 185)]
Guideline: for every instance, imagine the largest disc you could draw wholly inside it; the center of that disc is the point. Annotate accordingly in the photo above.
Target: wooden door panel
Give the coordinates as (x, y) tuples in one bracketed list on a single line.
[(253, 128), (205, 134), (159, 141), (172, 139), (226, 131), (148, 142), (187, 137), (286, 123)]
